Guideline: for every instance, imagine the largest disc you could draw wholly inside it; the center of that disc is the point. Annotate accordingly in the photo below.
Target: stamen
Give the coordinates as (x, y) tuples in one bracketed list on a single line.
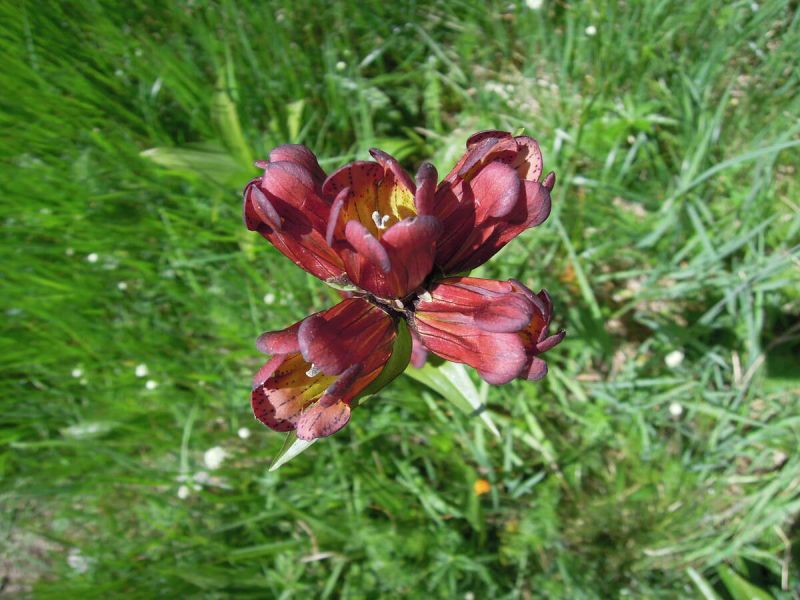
[(425, 296), (313, 371), (380, 221)]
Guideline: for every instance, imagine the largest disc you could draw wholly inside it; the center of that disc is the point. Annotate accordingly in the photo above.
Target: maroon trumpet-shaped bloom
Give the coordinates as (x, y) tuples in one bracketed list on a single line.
[(286, 206), (497, 327), (490, 197), (319, 366), (387, 248), (389, 238)]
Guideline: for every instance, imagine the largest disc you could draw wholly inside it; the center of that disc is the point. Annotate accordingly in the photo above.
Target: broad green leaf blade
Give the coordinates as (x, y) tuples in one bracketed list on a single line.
[(738, 587), (203, 161), (451, 381), (291, 448)]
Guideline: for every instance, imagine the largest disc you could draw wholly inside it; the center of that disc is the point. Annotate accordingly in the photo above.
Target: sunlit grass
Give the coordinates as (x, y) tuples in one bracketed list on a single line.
[(674, 133)]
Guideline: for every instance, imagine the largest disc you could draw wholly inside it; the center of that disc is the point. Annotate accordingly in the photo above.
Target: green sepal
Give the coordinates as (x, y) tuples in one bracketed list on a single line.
[(397, 363), (292, 446)]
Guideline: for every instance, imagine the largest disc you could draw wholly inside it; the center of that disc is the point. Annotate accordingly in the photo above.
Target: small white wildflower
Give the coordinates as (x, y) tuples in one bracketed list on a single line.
[(202, 477), (341, 65), (269, 298), (119, 73), (151, 385), (213, 457), (675, 409), (754, 6), (674, 359), (591, 30), (183, 492), (534, 4), (156, 87), (77, 372), (92, 258), (77, 561), (243, 433), (69, 251), (142, 370), (122, 286)]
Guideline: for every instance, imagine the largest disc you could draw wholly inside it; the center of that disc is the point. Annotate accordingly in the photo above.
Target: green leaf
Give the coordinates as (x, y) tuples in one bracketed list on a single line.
[(226, 120), (451, 381), (204, 161), (702, 584), (292, 446), (397, 363), (738, 587)]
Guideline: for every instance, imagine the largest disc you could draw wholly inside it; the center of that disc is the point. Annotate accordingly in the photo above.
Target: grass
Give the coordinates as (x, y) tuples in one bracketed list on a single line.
[(675, 137)]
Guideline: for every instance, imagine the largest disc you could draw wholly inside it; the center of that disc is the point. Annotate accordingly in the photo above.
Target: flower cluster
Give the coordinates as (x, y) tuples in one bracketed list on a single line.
[(398, 245)]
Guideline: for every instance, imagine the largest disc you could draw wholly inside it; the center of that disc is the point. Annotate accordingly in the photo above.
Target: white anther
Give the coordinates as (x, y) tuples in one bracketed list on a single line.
[(313, 371), (426, 296), (380, 221)]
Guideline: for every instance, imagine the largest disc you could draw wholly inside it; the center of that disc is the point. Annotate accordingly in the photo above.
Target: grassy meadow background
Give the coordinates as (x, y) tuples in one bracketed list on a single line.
[(658, 459)]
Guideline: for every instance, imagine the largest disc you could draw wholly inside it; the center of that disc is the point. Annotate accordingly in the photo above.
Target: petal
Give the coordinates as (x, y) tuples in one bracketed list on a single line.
[(264, 209), (389, 163), (279, 342), (537, 369), (489, 305), (321, 421), (551, 341), (505, 314), (411, 247), (498, 357), (344, 335), (528, 161), (496, 190), (295, 186), (367, 246), (361, 177), (279, 400), (478, 137), (301, 155), (426, 188), (335, 228)]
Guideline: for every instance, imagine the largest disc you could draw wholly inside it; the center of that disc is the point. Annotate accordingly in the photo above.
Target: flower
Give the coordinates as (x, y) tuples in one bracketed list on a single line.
[(375, 225), (389, 240), (285, 206), (141, 370), (319, 366), (674, 359), (481, 486), (213, 457), (492, 195), (497, 327)]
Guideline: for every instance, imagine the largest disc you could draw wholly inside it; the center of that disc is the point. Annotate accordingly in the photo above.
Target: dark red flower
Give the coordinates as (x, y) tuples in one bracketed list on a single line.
[(490, 197), (368, 225), (319, 366), (374, 226), (286, 206), (497, 327)]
